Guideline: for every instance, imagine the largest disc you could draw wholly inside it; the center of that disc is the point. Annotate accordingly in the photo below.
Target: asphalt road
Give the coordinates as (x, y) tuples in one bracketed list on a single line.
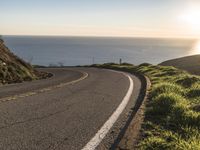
[(66, 116)]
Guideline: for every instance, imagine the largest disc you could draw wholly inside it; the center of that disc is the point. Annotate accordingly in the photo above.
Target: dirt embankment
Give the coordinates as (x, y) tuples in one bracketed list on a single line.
[(13, 69)]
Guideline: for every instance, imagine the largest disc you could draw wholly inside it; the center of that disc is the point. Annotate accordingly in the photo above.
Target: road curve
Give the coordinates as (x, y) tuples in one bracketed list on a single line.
[(59, 76), (64, 117)]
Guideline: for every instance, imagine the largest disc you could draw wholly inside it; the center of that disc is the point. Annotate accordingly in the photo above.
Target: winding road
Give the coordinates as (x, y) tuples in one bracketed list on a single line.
[(77, 108)]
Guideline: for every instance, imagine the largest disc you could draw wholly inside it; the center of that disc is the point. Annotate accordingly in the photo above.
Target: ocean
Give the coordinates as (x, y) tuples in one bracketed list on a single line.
[(72, 51)]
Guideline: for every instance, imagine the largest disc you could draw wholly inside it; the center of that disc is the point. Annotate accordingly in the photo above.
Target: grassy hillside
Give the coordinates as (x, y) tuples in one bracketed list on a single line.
[(173, 112), (12, 68), (189, 63), (172, 117)]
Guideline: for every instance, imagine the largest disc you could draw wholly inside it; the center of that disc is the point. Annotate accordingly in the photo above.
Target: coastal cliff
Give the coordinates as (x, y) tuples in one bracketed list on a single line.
[(12, 68)]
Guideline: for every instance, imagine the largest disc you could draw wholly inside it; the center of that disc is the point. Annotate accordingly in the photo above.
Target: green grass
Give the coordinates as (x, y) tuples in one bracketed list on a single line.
[(172, 117), (173, 109)]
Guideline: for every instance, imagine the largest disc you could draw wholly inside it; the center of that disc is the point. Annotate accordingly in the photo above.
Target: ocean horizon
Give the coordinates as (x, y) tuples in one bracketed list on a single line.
[(73, 51)]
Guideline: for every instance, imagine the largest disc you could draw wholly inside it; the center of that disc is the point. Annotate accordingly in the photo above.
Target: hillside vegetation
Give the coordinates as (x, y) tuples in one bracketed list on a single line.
[(189, 63), (172, 117), (12, 68), (173, 112)]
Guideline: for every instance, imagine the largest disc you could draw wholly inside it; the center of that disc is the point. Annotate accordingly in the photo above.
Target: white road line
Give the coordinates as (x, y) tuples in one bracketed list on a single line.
[(96, 140)]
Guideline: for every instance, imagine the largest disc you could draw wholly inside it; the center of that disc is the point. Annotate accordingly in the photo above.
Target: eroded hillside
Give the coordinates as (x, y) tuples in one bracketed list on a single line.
[(12, 68)]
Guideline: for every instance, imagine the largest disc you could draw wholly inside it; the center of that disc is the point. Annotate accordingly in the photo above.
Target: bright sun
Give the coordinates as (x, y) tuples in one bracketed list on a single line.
[(192, 18)]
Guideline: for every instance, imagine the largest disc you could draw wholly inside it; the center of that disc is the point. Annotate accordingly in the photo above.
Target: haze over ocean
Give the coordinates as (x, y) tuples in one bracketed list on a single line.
[(72, 51)]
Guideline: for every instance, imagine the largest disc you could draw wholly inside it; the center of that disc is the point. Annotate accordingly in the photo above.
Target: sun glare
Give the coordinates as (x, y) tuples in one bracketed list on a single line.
[(192, 18), (196, 48)]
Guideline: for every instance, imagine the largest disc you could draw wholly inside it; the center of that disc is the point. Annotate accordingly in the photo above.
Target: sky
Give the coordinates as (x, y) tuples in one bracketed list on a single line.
[(146, 18)]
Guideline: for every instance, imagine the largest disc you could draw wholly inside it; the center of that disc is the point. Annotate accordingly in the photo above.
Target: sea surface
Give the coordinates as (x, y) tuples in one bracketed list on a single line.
[(71, 51)]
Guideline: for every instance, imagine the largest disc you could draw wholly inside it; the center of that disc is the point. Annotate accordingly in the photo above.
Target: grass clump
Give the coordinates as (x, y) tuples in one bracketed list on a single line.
[(155, 143), (164, 103), (166, 88), (187, 80)]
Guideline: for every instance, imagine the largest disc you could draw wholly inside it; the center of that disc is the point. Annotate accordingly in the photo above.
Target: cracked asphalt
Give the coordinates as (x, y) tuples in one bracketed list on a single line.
[(64, 118)]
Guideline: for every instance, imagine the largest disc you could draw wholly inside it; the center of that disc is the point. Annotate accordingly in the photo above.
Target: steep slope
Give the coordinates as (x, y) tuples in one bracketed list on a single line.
[(189, 63), (12, 68)]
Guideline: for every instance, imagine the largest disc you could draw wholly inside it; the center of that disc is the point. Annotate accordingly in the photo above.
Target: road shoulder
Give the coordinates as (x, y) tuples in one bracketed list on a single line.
[(119, 133), (132, 134)]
